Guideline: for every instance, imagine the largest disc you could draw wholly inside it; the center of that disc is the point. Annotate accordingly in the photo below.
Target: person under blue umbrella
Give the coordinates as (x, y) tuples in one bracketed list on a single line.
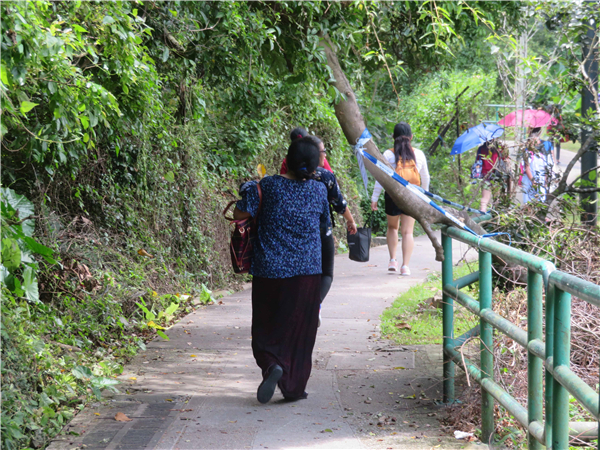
[(484, 169), (475, 137), (479, 136)]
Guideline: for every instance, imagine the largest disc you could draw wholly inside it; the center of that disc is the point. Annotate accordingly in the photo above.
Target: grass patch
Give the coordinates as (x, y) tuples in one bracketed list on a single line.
[(409, 322), (571, 146)]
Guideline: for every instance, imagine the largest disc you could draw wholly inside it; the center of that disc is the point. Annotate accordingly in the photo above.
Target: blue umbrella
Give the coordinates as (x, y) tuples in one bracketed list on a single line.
[(476, 136)]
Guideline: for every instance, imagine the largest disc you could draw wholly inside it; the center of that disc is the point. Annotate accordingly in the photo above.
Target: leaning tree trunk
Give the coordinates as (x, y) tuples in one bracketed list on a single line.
[(353, 124)]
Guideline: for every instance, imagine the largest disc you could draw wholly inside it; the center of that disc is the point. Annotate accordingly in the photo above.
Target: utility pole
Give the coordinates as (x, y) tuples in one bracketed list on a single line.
[(589, 159), (520, 86)]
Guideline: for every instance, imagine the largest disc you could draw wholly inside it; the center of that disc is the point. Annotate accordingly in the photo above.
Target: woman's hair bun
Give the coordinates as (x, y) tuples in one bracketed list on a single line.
[(298, 133)]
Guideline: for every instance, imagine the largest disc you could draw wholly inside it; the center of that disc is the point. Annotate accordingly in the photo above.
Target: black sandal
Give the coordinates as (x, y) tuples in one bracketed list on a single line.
[(267, 387)]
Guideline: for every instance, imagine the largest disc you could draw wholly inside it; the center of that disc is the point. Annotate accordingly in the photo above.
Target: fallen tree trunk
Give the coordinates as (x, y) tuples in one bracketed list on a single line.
[(353, 124)]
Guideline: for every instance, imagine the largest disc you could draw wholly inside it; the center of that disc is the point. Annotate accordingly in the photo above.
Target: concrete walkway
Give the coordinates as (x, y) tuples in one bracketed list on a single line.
[(198, 390), (565, 158)]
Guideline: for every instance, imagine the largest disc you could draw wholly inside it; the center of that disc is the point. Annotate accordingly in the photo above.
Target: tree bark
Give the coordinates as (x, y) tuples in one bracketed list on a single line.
[(352, 124)]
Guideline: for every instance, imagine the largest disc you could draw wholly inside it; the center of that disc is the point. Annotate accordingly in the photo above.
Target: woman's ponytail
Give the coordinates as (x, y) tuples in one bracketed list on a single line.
[(402, 148)]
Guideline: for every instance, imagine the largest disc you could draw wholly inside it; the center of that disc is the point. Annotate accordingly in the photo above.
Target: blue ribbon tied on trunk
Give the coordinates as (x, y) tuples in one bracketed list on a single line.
[(358, 148)]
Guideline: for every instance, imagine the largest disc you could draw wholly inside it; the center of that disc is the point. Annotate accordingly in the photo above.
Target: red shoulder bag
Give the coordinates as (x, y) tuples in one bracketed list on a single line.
[(242, 237)]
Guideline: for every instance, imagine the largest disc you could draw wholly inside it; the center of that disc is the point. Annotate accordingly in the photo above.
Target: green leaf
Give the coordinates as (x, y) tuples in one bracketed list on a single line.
[(97, 392), (107, 20), (79, 28), (23, 207), (81, 372), (3, 75), (149, 315), (206, 294), (27, 106), (30, 285), (102, 382), (170, 177), (38, 345), (162, 335), (86, 137), (40, 249), (26, 256), (171, 309), (14, 432), (85, 122), (4, 274), (17, 289), (11, 254), (165, 55)]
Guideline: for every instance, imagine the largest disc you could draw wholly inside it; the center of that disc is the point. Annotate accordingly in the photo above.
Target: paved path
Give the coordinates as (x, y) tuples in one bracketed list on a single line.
[(198, 390), (565, 158)]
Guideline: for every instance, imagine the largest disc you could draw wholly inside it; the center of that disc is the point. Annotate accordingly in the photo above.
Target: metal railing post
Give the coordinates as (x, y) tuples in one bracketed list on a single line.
[(550, 296), (448, 320), (535, 387), (562, 357), (487, 345)]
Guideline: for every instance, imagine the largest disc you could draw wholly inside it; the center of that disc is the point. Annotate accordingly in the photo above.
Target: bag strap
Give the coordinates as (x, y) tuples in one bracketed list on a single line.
[(369, 220), (233, 202)]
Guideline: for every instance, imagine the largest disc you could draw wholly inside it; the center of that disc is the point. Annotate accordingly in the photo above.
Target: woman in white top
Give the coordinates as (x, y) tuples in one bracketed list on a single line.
[(409, 157)]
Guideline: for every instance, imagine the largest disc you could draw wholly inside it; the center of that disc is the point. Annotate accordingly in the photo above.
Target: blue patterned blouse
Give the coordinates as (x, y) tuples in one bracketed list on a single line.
[(289, 241)]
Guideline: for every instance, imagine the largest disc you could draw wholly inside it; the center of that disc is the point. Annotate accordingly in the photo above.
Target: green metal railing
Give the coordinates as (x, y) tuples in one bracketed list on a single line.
[(548, 357)]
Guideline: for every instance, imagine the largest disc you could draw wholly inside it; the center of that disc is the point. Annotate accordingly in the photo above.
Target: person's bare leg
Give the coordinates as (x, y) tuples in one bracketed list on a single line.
[(407, 226), (392, 235), (486, 196)]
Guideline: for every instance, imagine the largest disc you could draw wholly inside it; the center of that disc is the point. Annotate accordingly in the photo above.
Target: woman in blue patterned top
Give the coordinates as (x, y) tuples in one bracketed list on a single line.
[(286, 270)]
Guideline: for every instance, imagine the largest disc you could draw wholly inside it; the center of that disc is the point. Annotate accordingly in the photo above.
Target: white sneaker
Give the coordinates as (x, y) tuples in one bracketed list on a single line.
[(405, 271)]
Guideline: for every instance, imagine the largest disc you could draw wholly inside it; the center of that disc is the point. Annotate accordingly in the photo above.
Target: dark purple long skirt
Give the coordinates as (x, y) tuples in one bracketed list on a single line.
[(285, 314)]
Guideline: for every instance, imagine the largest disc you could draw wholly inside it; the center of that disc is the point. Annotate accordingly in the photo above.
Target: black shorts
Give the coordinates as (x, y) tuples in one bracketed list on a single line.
[(390, 207)]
